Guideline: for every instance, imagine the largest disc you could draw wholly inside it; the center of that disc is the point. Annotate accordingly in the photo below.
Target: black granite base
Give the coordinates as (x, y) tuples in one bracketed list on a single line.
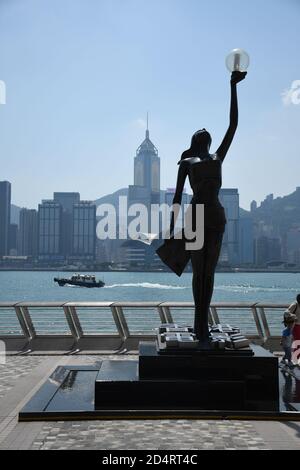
[(198, 380), (69, 394), (118, 386)]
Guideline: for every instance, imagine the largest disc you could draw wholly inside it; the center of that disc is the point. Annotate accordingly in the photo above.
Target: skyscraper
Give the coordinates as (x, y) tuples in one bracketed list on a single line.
[(28, 233), (145, 191), (67, 201), (67, 228), (253, 206), (230, 249), (146, 188), (267, 250), (293, 245), (84, 230), (147, 166), (246, 240), (12, 239), (50, 218), (5, 201)]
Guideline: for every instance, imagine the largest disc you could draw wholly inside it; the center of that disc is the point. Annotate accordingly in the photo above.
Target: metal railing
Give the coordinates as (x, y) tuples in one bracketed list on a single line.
[(98, 326)]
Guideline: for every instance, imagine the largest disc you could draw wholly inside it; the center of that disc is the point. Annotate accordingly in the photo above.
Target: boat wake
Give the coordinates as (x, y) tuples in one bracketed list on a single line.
[(146, 285), (252, 288)]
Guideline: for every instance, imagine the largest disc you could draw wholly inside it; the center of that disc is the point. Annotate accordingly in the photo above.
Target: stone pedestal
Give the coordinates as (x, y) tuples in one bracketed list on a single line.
[(200, 380)]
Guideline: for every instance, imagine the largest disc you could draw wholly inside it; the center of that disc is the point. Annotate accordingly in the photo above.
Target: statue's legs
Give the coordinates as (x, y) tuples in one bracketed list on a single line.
[(204, 263)]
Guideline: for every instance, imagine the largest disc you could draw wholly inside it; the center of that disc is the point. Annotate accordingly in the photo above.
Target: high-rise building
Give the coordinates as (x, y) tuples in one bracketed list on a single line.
[(50, 221), (67, 228), (84, 230), (144, 191), (12, 239), (147, 165), (253, 206), (67, 201), (293, 245), (229, 198), (146, 187), (261, 250), (28, 233), (246, 240), (274, 249), (5, 201), (267, 250)]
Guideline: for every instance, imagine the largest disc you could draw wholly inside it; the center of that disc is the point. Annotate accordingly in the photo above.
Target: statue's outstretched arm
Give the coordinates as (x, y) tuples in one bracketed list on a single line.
[(181, 177), (236, 77)]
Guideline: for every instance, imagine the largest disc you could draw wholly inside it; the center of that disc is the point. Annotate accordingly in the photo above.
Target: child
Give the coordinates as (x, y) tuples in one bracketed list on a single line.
[(287, 338)]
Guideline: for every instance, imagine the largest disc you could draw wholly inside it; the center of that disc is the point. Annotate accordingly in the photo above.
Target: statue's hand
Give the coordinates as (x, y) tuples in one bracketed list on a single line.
[(237, 76)]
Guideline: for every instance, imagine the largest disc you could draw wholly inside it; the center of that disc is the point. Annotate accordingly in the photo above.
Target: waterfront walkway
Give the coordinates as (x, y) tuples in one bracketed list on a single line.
[(22, 376)]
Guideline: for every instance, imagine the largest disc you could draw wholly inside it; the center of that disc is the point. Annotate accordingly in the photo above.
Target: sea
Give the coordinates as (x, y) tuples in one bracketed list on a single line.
[(37, 286)]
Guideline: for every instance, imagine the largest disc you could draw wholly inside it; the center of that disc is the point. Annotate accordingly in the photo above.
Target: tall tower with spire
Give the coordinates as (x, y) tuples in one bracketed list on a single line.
[(147, 165), (145, 191)]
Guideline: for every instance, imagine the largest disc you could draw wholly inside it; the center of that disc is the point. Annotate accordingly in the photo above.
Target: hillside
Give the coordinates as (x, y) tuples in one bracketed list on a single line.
[(282, 212)]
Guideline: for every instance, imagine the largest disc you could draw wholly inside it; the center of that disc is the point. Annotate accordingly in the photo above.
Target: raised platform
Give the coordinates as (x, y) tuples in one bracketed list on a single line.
[(194, 379), (122, 394)]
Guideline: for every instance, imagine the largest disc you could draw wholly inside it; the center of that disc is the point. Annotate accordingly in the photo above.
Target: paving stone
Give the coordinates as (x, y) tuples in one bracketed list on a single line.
[(155, 434), (126, 434), (15, 368)]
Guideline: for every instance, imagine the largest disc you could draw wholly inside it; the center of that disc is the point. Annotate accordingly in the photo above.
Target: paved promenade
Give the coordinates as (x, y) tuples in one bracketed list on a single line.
[(22, 376)]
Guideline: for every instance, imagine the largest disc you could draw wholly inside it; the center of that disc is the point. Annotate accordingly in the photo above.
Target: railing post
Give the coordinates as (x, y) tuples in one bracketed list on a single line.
[(210, 317), (123, 321), (22, 322), (265, 322), (168, 315), (162, 316), (258, 324), (76, 322), (215, 316), (70, 320), (27, 327), (28, 320), (118, 322)]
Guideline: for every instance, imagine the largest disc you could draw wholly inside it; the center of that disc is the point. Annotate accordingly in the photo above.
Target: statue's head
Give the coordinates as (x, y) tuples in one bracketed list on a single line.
[(201, 141), (200, 144)]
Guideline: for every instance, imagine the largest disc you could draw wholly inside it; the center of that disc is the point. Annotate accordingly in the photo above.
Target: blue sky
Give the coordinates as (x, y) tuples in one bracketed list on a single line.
[(80, 76)]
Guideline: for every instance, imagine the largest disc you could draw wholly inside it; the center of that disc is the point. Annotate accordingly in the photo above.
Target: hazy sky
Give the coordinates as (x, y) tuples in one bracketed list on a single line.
[(80, 76)]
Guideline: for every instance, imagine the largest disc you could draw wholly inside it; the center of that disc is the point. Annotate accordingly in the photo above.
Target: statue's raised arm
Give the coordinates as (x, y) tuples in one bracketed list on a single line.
[(236, 77)]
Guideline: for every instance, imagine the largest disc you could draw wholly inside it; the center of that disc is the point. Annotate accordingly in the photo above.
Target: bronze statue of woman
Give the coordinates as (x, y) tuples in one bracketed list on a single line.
[(204, 172)]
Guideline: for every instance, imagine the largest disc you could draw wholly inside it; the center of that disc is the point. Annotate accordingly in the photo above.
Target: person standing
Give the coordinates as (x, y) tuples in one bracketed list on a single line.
[(294, 308), (287, 339)]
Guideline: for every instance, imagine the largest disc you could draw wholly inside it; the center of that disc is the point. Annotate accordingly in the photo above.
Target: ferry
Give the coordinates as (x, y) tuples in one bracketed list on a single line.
[(80, 280)]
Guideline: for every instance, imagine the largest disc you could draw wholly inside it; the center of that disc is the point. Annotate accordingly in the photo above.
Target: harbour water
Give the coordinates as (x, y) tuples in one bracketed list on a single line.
[(17, 286)]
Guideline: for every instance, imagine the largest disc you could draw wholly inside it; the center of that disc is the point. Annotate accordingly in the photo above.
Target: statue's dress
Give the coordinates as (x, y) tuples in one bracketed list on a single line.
[(205, 178)]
